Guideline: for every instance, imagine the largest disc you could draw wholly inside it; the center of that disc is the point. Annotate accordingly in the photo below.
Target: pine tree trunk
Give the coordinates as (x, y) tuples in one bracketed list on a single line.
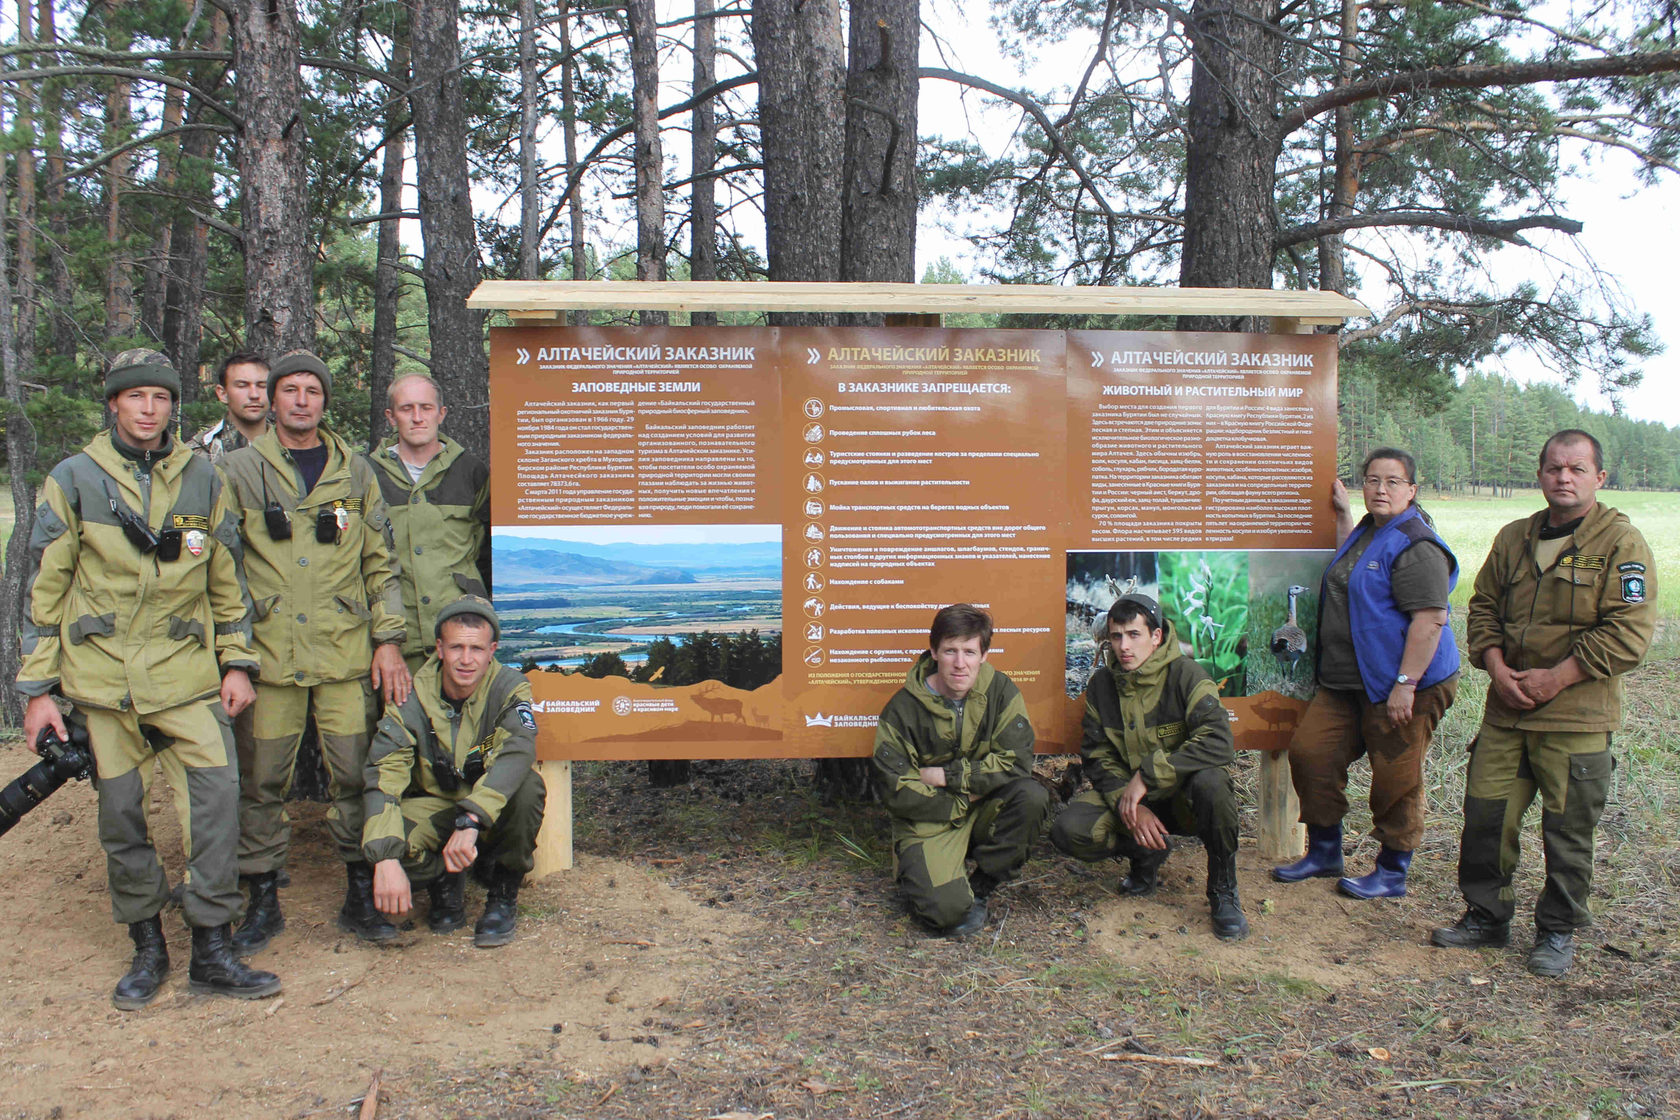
[(878, 233), (1230, 224), (702, 192), (27, 276), (650, 154), (802, 122), (1332, 271), (189, 241), (459, 360), (20, 458), (530, 200), (52, 147), (568, 113), (387, 278), (120, 319), (279, 272), (154, 270)]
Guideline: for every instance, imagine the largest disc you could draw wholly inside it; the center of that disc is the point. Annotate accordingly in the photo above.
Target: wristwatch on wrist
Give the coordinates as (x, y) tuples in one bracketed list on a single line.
[(1404, 679), (467, 821)]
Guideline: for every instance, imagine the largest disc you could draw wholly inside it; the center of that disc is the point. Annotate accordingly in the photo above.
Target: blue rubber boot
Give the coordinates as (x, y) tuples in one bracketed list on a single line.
[(1388, 880), (1322, 861)]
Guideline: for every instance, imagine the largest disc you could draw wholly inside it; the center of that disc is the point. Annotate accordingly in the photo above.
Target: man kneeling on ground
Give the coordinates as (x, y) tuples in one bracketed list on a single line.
[(450, 783), (1156, 744), (954, 758)]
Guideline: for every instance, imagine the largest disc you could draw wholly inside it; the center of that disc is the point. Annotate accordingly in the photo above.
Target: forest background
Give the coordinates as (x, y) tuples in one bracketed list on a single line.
[(225, 174)]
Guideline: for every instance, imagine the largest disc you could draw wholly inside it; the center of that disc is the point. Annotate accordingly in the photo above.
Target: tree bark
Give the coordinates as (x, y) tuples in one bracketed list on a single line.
[(530, 205), (20, 458), (802, 124), (1332, 272), (155, 269), (119, 276), (189, 242), (1234, 139), (459, 361), (702, 192), (63, 287), (568, 114), (878, 233), (650, 153), (27, 276), (279, 273), (387, 277)]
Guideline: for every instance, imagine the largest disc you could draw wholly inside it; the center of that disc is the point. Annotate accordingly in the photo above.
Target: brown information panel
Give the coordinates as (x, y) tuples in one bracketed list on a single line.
[(926, 467), (733, 539)]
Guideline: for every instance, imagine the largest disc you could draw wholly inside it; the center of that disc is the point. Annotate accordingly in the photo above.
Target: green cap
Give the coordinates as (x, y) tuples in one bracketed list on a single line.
[(299, 361), (469, 604), (134, 369)]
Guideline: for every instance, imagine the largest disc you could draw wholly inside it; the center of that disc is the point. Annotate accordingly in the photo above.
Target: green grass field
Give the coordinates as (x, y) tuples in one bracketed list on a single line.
[(1468, 526)]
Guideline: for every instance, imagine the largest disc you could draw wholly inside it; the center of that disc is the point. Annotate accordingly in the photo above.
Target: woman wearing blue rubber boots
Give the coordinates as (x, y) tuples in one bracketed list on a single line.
[(1387, 672)]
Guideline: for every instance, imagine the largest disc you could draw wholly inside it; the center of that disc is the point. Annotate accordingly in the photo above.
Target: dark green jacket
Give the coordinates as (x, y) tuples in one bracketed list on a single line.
[(494, 729), (993, 747), (440, 526), (1163, 718)]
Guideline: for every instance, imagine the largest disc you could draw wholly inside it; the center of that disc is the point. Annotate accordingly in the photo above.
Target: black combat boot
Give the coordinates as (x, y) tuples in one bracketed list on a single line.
[(1229, 924), (151, 964), (358, 914), (263, 920), (1145, 874), (448, 912), (501, 910), (216, 971), (1475, 929)]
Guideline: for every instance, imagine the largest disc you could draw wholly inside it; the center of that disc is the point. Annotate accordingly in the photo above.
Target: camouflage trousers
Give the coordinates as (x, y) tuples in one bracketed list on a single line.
[(1571, 772)]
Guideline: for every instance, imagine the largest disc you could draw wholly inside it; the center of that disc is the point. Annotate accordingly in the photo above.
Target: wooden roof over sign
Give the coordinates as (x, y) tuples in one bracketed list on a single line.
[(547, 299)]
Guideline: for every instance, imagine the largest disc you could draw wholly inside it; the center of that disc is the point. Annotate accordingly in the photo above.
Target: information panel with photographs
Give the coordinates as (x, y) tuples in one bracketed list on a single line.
[(729, 542)]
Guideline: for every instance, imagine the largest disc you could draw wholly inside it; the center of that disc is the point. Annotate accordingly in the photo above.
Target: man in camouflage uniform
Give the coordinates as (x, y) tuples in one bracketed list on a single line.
[(138, 615), (1156, 744), (1565, 604), (953, 760), (242, 385), (450, 783), (438, 495), (329, 631)]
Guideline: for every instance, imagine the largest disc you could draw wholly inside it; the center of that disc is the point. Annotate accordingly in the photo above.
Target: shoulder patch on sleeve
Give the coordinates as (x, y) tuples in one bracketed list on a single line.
[(526, 715), (1633, 587), (1631, 566)]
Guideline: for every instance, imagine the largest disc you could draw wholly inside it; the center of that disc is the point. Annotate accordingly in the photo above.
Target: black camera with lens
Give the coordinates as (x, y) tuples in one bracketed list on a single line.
[(60, 762)]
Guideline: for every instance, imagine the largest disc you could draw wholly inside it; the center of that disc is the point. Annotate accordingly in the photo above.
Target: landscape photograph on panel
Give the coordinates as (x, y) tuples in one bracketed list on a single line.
[(1249, 618), (657, 604)]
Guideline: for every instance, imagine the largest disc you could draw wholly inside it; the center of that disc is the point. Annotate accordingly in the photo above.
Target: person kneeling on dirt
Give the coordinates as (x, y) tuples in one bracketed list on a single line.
[(1156, 744), (953, 759), (450, 783)]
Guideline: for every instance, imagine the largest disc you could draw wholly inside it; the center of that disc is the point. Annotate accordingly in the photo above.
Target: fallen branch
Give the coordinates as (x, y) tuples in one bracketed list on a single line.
[(370, 1099), (1158, 1059)]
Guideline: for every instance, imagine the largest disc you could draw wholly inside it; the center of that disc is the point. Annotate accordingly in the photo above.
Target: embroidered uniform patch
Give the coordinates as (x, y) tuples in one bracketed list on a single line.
[(1582, 563), (1631, 566), (1633, 588), (526, 716)]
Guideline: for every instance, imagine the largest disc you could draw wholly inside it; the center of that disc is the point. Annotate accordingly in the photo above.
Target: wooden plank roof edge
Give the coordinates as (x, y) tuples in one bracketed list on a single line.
[(568, 295)]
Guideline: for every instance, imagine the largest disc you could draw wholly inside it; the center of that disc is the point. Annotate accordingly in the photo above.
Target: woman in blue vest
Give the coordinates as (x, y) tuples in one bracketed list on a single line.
[(1387, 672)]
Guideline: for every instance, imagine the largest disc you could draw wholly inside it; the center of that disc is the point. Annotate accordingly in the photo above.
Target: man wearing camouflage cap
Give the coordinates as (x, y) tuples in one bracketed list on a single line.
[(329, 629), (138, 615), (450, 782)]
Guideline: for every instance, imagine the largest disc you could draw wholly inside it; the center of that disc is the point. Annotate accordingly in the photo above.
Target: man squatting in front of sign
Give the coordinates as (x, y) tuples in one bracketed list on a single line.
[(953, 759)]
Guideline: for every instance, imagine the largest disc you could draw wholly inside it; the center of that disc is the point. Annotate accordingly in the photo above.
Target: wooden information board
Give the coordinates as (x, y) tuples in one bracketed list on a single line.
[(759, 523)]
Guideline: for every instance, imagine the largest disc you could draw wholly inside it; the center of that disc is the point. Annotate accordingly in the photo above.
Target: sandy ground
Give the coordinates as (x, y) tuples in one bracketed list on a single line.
[(606, 962)]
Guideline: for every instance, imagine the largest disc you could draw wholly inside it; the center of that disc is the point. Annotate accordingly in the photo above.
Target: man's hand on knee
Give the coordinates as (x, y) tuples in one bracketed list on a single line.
[(391, 893)]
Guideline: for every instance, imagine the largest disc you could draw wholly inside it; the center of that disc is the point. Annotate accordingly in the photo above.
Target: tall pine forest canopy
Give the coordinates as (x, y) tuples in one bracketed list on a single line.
[(271, 174)]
